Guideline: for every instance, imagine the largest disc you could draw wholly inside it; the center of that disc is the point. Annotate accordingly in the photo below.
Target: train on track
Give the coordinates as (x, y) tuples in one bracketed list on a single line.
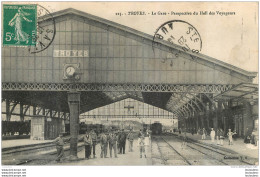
[(155, 128)]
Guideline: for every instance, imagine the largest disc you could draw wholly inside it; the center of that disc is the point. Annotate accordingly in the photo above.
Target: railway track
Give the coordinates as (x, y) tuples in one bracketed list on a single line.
[(32, 154), (165, 157), (211, 153), (183, 157), (46, 158)]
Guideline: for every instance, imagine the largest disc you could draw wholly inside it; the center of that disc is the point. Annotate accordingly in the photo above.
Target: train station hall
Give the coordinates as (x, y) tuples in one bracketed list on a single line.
[(101, 93)]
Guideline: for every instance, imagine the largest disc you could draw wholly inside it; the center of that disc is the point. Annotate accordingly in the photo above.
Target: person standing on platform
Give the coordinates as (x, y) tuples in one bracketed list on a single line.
[(140, 133), (103, 145), (141, 144), (112, 140), (130, 138), (87, 143), (117, 143), (230, 136), (203, 137), (122, 140), (247, 136), (212, 135), (94, 142), (192, 132), (199, 132), (221, 136), (147, 137), (106, 145), (59, 146), (255, 137), (147, 140)]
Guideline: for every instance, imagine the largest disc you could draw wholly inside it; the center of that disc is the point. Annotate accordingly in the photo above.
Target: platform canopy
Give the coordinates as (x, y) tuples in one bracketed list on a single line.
[(116, 62), (240, 92)]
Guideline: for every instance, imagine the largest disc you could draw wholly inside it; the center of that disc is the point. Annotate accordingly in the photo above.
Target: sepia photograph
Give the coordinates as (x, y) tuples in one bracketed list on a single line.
[(129, 84)]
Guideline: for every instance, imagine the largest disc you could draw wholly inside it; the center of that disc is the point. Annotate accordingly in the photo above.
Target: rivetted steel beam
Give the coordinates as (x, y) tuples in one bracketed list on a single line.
[(176, 88)]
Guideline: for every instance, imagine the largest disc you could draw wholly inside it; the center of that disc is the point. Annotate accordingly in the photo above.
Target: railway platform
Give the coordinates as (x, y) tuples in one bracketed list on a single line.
[(129, 158), (164, 150), (238, 145), (22, 142)]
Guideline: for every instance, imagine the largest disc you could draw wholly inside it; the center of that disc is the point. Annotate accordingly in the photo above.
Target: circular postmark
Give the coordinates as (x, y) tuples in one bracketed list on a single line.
[(180, 33), (46, 30)]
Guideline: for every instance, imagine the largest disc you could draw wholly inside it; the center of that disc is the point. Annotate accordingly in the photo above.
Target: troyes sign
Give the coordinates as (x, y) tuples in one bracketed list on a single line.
[(70, 53)]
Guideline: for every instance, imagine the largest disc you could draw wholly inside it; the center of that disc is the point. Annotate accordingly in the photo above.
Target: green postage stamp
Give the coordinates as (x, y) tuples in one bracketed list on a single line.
[(19, 25)]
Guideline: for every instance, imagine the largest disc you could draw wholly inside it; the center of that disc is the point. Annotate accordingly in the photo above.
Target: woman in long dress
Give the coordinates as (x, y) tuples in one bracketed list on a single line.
[(17, 20)]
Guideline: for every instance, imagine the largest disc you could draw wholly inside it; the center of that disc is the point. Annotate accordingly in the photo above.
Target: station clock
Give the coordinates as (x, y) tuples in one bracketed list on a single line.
[(71, 71)]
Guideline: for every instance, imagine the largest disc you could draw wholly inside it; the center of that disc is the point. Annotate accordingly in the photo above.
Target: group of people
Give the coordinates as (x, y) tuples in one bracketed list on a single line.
[(251, 137), (219, 136), (111, 139)]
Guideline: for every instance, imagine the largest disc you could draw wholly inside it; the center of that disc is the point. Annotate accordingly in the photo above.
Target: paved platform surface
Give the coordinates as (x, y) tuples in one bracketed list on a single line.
[(22, 142), (238, 146), (129, 158)]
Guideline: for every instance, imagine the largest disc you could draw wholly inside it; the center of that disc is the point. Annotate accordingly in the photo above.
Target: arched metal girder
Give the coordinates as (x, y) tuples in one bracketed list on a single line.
[(200, 101), (194, 97), (185, 107), (179, 113), (189, 104)]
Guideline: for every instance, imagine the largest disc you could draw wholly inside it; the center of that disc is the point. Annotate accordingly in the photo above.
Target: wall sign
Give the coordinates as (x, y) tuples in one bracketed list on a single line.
[(70, 53)]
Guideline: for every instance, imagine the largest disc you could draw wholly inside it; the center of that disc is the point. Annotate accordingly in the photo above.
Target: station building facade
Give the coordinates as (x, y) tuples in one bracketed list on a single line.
[(118, 62)]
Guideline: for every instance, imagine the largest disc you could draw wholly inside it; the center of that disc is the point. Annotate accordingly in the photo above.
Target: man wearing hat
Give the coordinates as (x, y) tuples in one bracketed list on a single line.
[(130, 138), (122, 140), (87, 143), (103, 145), (112, 140), (59, 146), (94, 142)]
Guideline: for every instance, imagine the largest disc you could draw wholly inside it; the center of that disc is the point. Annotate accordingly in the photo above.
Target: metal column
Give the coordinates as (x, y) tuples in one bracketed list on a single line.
[(74, 105)]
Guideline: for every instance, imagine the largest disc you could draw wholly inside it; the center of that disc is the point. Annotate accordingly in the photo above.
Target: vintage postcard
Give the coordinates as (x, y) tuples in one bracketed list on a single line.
[(129, 84)]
